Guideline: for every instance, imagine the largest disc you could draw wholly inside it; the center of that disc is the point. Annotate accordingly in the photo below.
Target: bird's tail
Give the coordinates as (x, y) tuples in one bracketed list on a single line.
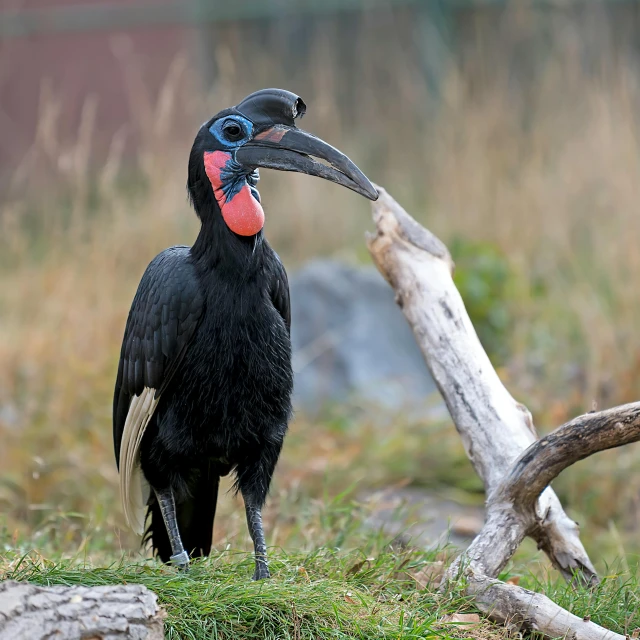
[(195, 514)]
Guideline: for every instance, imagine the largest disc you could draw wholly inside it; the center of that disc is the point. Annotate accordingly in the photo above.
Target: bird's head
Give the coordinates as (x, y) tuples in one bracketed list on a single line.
[(260, 132)]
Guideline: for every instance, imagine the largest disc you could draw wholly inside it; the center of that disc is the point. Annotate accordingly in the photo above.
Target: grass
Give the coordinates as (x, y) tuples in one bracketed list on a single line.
[(380, 590), (317, 595), (533, 183), (613, 604)]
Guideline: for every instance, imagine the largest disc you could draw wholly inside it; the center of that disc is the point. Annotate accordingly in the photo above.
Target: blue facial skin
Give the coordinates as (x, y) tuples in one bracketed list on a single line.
[(216, 131), (234, 175)]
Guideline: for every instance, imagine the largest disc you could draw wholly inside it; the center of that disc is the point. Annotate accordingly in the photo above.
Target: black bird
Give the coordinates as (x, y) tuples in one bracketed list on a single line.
[(204, 379)]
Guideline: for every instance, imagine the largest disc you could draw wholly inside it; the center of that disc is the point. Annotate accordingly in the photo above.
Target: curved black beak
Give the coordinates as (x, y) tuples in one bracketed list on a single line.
[(290, 149)]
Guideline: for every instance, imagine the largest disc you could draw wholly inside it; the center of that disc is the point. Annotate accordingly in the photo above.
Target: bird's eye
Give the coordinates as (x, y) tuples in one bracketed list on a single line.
[(232, 131)]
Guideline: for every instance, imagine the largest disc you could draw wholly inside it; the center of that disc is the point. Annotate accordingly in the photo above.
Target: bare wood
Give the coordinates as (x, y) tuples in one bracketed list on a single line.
[(511, 506), (495, 429), (498, 435), (518, 607), (581, 437), (109, 613)]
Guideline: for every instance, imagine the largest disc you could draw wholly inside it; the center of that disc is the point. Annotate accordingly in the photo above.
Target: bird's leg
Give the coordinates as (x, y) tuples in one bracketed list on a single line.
[(253, 480), (254, 522), (168, 507)]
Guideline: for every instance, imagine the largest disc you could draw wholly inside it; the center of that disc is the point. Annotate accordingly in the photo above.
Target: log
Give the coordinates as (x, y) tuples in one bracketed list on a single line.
[(119, 612), (498, 435), (495, 429)]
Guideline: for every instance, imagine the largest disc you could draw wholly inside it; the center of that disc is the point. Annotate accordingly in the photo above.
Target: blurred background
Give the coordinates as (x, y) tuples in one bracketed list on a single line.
[(510, 129)]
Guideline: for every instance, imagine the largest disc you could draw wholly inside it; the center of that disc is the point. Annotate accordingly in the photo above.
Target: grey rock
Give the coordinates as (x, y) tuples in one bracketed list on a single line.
[(422, 518), (9, 416), (352, 343)]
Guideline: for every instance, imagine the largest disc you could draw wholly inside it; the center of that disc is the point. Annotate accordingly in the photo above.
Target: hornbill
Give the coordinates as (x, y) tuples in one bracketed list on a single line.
[(204, 379)]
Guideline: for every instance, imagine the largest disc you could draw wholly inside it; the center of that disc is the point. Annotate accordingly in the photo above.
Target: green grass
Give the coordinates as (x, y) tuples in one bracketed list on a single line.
[(332, 576), (324, 593), (613, 604)]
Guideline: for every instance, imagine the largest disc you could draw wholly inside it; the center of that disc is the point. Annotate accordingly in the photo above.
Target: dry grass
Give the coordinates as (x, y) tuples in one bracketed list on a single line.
[(548, 173)]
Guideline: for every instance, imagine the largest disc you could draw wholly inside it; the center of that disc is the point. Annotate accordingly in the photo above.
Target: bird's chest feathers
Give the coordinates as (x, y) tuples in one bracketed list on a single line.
[(241, 335), (245, 333), (239, 376), (235, 193)]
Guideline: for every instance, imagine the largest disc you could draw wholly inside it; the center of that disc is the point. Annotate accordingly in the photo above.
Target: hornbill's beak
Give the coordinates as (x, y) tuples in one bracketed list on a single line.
[(289, 149)]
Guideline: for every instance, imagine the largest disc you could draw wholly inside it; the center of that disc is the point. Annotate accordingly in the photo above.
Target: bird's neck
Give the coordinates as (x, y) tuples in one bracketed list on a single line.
[(217, 247)]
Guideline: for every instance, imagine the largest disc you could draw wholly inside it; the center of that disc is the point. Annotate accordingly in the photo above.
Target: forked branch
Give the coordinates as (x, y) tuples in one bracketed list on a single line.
[(495, 429), (511, 506), (497, 432), (578, 439), (511, 515)]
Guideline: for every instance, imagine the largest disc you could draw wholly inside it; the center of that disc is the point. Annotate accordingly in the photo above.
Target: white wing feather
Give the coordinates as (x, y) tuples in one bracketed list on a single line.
[(134, 489)]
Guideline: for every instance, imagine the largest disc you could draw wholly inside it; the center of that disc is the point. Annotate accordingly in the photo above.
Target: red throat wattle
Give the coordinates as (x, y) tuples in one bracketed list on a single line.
[(242, 213)]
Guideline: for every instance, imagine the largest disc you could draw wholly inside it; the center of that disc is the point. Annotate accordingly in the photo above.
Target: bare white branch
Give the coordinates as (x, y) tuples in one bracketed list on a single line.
[(494, 428), (517, 607), (511, 513), (498, 434)]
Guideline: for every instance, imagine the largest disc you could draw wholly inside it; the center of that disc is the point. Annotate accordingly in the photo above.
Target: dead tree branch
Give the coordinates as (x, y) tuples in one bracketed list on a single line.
[(578, 439), (495, 429), (511, 506), (497, 432), (511, 515), (520, 608)]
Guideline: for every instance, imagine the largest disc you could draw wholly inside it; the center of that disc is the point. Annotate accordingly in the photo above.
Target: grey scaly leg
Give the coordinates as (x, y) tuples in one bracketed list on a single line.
[(168, 507), (254, 522)]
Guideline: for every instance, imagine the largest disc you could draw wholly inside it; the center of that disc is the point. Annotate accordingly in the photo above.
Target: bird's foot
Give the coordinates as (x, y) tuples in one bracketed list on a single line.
[(261, 572), (181, 560)]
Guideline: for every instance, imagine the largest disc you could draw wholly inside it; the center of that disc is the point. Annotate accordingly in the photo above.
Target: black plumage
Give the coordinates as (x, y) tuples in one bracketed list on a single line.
[(205, 379)]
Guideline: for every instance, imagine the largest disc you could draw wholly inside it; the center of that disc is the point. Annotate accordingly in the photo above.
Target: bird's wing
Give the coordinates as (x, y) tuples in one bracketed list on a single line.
[(164, 315), (280, 291)]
